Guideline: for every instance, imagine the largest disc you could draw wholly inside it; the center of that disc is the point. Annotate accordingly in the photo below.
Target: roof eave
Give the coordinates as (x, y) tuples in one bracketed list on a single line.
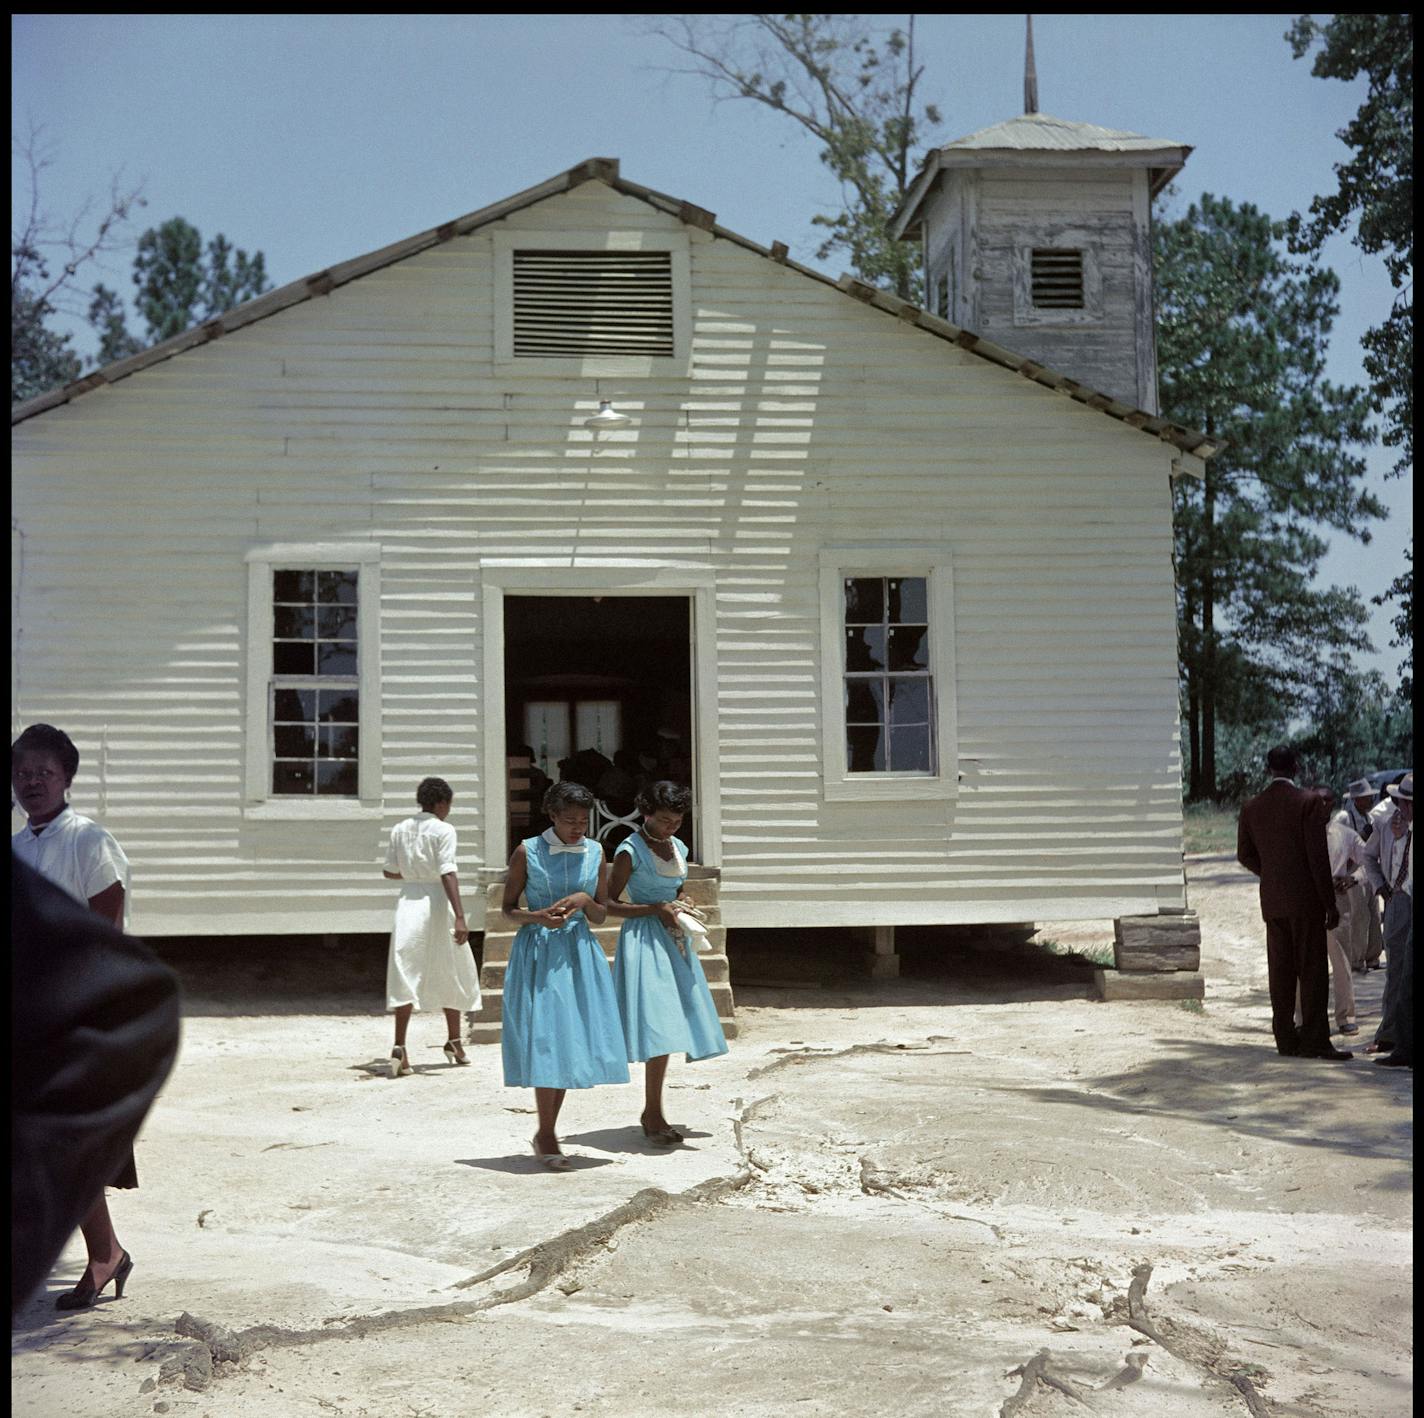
[(606, 170)]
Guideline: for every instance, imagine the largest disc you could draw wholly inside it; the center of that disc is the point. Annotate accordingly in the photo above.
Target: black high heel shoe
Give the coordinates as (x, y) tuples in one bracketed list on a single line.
[(82, 1297)]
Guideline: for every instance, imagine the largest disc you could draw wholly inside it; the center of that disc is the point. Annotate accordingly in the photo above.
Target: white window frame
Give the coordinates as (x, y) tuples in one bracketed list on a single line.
[(259, 801), (934, 563), (508, 241)]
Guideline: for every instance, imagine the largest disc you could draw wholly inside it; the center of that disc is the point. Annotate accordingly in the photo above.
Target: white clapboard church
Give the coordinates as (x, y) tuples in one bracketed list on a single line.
[(891, 586)]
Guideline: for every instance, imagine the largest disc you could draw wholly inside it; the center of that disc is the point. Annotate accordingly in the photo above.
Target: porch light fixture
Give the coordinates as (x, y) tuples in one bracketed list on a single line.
[(607, 417)]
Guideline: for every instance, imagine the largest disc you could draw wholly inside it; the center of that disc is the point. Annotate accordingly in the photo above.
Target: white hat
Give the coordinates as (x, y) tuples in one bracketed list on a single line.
[(1403, 790), (1360, 788)]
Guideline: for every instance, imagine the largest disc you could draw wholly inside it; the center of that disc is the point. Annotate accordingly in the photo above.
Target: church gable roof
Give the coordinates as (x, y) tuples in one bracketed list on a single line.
[(604, 170)]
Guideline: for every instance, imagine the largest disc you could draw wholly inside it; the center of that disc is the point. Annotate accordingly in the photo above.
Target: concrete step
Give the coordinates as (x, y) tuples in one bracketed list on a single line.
[(702, 888), (497, 944), (715, 966)]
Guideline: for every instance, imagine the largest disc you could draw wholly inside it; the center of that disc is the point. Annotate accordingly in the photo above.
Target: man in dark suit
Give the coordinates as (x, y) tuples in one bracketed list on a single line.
[(1281, 838)]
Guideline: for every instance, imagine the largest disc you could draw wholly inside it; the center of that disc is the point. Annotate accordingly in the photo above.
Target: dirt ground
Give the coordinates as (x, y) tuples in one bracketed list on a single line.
[(973, 1191)]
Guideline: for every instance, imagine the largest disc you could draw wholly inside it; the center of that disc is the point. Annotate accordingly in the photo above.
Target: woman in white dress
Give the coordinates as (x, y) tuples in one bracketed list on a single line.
[(430, 964), (82, 859)]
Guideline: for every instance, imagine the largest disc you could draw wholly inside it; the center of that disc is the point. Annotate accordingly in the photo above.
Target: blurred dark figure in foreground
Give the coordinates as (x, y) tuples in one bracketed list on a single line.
[(94, 1033)]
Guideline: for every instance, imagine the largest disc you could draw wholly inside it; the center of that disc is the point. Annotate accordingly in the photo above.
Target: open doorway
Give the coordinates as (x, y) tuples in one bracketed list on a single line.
[(598, 690)]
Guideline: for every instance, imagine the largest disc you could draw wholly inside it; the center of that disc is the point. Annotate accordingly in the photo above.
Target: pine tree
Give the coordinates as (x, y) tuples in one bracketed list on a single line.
[(1241, 337)]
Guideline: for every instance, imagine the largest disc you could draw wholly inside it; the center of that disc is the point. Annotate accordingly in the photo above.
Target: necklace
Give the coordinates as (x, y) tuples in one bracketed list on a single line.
[(661, 845)]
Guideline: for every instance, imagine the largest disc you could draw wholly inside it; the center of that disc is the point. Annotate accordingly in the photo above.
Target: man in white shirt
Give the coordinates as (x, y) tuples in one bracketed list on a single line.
[(1346, 850), (1360, 813), (1389, 864)]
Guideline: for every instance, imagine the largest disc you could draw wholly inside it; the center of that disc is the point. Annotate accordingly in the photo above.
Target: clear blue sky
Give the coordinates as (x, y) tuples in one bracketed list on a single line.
[(317, 138)]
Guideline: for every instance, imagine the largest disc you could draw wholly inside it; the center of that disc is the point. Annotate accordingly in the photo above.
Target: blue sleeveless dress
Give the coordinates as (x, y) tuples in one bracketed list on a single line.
[(560, 1019), (662, 994)]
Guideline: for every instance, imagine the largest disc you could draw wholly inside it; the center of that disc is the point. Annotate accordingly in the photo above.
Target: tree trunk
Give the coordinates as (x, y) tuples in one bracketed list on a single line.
[(1207, 786)]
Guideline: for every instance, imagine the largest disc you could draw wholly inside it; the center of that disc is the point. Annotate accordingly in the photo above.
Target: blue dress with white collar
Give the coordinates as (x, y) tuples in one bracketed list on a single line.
[(561, 1027)]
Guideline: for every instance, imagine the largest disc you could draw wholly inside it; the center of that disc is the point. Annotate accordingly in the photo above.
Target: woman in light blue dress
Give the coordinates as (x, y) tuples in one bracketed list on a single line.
[(561, 1028), (662, 991)]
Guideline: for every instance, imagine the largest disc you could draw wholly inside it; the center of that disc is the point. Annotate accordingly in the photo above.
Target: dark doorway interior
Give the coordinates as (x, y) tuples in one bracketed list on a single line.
[(598, 689)]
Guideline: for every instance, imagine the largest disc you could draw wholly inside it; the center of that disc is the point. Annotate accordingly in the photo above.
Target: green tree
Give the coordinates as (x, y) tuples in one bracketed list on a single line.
[(1356, 724), (1401, 589), (1376, 188), (853, 92), (177, 289), (1241, 338), (47, 257)]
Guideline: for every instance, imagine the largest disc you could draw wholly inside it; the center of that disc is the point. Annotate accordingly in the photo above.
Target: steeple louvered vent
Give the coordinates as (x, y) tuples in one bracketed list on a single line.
[(1057, 279), (570, 304)]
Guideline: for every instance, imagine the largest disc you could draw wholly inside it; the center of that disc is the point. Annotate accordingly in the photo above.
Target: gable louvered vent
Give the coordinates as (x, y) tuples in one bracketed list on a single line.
[(568, 304), (1057, 279)]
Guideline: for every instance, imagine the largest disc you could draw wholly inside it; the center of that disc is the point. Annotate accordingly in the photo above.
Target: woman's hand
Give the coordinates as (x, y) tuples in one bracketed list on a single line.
[(668, 914), (550, 917), (574, 901)]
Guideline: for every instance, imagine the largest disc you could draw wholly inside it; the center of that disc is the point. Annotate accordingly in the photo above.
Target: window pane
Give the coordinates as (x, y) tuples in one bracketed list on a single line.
[(907, 600), (294, 704), (336, 586), (293, 585), (909, 647), (293, 622), (339, 707), (910, 701), (336, 777), (865, 750), (339, 742), (910, 750), (294, 741), (291, 777), (865, 701), (293, 657), (336, 622), (336, 657), (865, 648), (864, 600)]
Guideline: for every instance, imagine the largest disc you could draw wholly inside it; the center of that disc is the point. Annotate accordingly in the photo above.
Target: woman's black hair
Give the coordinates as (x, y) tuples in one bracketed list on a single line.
[(665, 797), (45, 738), (565, 794), (432, 791)]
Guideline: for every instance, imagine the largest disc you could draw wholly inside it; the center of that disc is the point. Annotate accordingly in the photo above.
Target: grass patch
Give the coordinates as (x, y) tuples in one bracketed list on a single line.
[(1192, 1006), (1099, 955), (1209, 828)]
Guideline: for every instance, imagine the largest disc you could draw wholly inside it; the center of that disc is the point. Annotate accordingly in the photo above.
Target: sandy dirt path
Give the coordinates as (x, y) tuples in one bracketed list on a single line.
[(977, 1192)]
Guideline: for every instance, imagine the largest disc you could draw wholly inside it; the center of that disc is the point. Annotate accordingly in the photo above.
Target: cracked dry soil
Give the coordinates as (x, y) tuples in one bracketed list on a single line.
[(976, 1192)]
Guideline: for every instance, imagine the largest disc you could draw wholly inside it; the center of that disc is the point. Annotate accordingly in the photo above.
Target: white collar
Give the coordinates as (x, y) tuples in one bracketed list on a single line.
[(55, 821), (552, 842), (1279, 779)]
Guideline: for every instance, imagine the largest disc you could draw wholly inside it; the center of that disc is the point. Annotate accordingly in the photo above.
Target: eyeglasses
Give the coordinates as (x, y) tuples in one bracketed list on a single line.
[(34, 775)]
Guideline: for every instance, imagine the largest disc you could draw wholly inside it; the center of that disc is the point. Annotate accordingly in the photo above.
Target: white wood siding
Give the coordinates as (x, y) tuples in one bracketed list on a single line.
[(376, 413)]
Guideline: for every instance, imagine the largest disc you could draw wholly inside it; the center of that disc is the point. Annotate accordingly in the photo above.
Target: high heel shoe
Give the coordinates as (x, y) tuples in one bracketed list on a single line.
[(399, 1063), (664, 1136), (82, 1297), (455, 1051), (554, 1161)]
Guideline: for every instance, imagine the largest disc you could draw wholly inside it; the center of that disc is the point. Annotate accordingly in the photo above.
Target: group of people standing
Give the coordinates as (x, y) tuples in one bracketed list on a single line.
[(567, 1021), (1321, 876)]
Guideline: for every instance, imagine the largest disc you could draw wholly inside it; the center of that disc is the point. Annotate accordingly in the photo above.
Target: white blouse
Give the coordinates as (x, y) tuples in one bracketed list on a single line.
[(422, 848), (76, 854)]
